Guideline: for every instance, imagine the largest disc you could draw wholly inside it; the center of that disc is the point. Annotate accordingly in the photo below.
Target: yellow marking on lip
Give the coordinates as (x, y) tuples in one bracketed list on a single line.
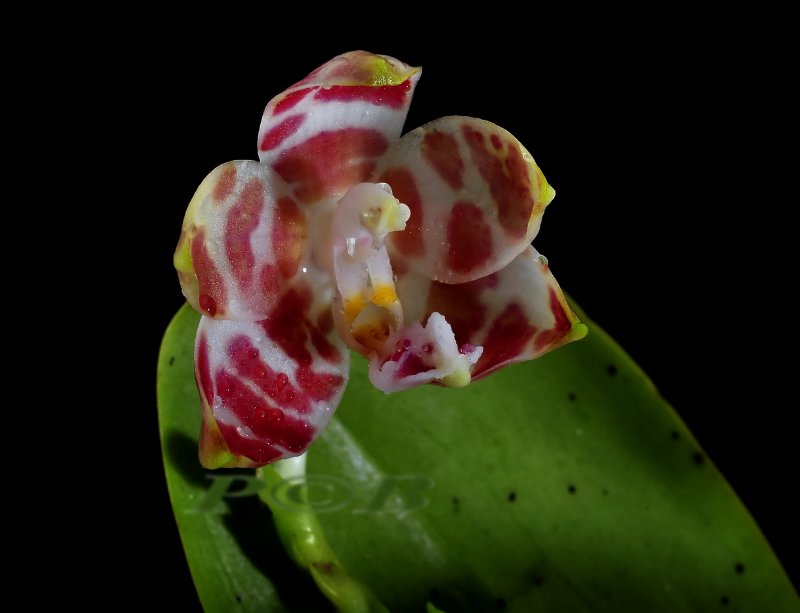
[(383, 296), (373, 334), (353, 306)]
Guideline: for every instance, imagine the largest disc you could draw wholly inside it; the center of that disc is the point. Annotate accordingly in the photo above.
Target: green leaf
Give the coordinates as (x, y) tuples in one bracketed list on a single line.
[(235, 555), (563, 484)]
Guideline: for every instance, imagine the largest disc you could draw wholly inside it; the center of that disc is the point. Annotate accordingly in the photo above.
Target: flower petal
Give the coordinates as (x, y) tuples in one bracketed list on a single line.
[(474, 189), (242, 242), (326, 132), (268, 388), (515, 314)]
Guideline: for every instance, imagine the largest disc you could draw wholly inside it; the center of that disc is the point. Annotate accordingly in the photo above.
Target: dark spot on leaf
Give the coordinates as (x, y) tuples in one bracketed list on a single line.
[(512, 496), (500, 603), (433, 594), (698, 458), (456, 504), (537, 580), (612, 370), (604, 492), (571, 489), (172, 360), (238, 598), (724, 601), (325, 567), (674, 435), (572, 396), (739, 568)]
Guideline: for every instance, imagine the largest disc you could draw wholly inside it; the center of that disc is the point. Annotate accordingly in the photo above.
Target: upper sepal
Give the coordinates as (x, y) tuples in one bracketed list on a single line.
[(326, 133)]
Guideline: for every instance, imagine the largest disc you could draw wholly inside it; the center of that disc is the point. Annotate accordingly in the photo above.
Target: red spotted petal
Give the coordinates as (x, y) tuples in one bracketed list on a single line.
[(476, 198), (517, 313), (242, 242), (325, 133), (268, 388)]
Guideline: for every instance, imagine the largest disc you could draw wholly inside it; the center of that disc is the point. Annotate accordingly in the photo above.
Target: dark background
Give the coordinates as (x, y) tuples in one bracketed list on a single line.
[(655, 231)]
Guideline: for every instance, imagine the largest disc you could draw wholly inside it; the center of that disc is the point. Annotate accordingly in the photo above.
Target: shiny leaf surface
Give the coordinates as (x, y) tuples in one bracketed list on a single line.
[(566, 483)]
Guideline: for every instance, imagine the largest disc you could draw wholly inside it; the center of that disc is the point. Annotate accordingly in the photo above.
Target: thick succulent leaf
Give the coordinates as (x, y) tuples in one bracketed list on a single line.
[(242, 242), (473, 188), (235, 556), (517, 313), (561, 484), (326, 132), (267, 388)]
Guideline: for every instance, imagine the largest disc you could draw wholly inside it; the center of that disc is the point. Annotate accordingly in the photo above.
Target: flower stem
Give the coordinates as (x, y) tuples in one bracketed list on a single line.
[(302, 535)]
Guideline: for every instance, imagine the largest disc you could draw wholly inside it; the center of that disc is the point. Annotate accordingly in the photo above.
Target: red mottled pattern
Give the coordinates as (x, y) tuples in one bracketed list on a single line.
[(393, 96), (319, 386), (290, 100), (441, 150), (508, 181), (461, 306), (225, 184), (411, 364), (242, 220), (325, 321), (212, 288), (271, 282), (287, 325), (469, 238), (507, 337), (269, 386), (260, 453), (561, 326), (246, 390), (245, 357), (329, 162), (289, 235), (271, 425), (281, 132), (410, 241), (326, 350), (202, 369), (290, 329), (399, 266)]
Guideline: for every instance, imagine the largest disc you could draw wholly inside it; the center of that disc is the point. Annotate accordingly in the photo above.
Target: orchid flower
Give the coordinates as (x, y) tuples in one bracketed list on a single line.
[(415, 252)]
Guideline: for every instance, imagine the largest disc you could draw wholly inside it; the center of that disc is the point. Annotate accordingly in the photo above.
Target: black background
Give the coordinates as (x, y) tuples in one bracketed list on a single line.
[(647, 138)]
